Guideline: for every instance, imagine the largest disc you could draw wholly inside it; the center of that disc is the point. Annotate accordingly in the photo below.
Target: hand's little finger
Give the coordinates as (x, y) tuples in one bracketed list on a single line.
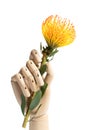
[(24, 88)]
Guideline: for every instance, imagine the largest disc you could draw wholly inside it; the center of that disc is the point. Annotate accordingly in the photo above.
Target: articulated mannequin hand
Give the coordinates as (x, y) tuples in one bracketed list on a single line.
[(29, 80)]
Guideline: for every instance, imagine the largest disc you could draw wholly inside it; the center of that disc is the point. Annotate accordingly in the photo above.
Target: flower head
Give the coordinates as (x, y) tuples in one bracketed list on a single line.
[(57, 31)]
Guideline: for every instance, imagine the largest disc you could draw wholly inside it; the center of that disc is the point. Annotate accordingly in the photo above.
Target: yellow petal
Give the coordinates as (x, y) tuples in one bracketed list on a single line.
[(57, 31)]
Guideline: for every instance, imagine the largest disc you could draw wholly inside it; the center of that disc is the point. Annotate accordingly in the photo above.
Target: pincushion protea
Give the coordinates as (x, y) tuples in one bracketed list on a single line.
[(57, 31)]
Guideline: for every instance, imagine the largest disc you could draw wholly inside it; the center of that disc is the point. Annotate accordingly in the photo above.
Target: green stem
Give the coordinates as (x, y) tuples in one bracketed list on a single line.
[(26, 119)]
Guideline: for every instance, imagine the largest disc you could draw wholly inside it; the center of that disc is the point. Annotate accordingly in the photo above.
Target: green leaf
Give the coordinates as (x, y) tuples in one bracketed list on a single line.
[(53, 52), (35, 101), (43, 88), (35, 112), (38, 108), (43, 69), (23, 104), (41, 47)]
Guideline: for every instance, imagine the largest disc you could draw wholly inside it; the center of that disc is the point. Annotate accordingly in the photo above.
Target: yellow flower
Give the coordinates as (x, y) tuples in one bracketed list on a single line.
[(57, 31)]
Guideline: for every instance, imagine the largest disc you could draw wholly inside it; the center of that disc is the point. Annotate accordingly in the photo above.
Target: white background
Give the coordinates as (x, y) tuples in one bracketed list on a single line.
[(20, 31)]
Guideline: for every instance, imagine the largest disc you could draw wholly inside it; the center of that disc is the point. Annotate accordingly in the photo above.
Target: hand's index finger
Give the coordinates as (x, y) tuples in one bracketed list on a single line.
[(35, 57)]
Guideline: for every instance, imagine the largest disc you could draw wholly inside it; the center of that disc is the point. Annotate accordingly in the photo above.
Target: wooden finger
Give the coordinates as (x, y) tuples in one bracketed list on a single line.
[(24, 88), (17, 91), (35, 57), (29, 79), (35, 72)]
